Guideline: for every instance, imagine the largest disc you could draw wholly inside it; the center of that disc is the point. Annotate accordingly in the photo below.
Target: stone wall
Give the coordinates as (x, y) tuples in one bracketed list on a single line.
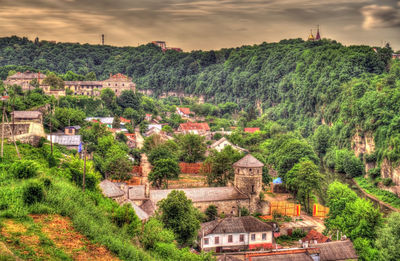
[(364, 145), (227, 207)]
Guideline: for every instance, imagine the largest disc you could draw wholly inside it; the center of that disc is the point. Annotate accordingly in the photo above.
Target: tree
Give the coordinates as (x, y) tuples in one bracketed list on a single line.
[(192, 147), (211, 212), (90, 76), (163, 170), (129, 99), (125, 216), (54, 81), (304, 179), (388, 239), (162, 151), (116, 122), (322, 139), (154, 233), (108, 97), (91, 134), (179, 215), (221, 166)]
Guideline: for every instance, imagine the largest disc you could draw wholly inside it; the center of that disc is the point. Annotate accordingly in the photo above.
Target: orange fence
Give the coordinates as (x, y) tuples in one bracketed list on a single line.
[(132, 182), (192, 168), (285, 208), (320, 211)]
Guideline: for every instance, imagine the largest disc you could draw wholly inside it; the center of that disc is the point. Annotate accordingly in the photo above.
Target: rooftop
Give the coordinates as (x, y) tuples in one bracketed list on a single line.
[(336, 250), (251, 130), (248, 161), (187, 126), (104, 120), (119, 77), (315, 235), (184, 110), (245, 224), (26, 76), (142, 215), (26, 114), (86, 83), (110, 190), (66, 140)]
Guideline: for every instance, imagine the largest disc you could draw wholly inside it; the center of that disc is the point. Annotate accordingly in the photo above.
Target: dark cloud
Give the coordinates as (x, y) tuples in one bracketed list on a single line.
[(200, 24)]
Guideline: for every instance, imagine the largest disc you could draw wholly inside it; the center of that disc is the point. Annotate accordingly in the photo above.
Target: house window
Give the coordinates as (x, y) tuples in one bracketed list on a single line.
[(252, 188), (264, 236), (205, 241), (230, 238), (108, 84), (253, 237), (216, 240), (241, 238)]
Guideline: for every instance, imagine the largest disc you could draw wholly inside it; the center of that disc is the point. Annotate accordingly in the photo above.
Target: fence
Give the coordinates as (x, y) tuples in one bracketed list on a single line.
[(320, 211), (193, 168), (285, 208)]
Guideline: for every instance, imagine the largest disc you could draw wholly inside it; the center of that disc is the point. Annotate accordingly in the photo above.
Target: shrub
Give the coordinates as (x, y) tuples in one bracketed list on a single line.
[(387, 182), (298, 233), (33, 192), (244, 211), (211, 212), (374, 173), (125, 216), (24, 169), (262, 196)]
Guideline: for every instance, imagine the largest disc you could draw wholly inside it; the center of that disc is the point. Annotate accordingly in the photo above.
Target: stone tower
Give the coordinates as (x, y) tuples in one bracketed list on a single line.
[(248, 178)]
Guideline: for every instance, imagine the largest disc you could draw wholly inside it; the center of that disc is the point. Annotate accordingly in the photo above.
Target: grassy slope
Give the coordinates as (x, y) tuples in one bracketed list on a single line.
[(89, 212), (383, 195)]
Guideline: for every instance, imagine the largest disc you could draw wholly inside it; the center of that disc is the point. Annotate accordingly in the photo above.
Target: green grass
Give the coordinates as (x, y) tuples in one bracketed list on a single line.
[(383, 195)]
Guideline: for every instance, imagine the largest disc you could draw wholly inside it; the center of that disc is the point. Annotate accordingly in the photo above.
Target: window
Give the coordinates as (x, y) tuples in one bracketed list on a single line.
[(230, 238), (241, 238), (108, 84), (216, 240), (264, 236), (205, 241), (252, 188), (253, 237)]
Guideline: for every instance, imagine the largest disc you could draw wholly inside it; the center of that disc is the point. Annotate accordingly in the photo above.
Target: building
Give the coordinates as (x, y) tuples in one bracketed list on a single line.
[(108, 121), (131, 140), (236, 233), (111, 190), (251, 130), (27, 116), (71, 142), (72, 130), (183, 112), (163, 46), (220, 144), (228, 200), (56, 93), (315, 237), (317, 37), (119, 83), (194, 128), (24, 79), (89, 88)]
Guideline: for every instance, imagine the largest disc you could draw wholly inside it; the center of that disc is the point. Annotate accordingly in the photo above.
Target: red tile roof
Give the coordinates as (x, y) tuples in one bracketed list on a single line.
[(194, 126), (184, 110), (315, 235), (251, 130), (123, 120)]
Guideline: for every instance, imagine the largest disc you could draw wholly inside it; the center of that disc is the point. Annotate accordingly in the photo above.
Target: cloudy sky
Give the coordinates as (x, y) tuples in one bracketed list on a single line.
[(201, 24)]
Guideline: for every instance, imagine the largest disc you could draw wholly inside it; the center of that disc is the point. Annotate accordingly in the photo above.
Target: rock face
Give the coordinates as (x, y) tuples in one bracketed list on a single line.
[(388, 171), (364, 145)]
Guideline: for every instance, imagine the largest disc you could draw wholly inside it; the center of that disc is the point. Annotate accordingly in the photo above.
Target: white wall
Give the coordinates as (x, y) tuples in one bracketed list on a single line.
[(223, 239)]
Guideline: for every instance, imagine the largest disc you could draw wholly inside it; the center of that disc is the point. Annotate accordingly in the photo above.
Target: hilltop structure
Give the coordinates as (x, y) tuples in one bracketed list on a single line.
[(118, 83), (163, 46), (317, 37)]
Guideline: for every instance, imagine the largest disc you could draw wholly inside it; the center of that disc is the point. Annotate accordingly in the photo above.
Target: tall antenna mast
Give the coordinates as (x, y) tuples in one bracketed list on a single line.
[(102, 39)]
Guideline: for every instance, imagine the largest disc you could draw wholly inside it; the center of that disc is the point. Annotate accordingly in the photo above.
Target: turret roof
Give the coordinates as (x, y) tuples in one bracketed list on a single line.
[(248, 161)]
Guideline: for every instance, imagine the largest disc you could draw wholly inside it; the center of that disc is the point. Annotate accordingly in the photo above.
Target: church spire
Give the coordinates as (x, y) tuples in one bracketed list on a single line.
[(311, 37), (318, 36)]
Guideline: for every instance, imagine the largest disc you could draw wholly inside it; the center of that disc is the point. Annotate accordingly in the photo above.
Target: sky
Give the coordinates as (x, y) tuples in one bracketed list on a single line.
[(202, 24)]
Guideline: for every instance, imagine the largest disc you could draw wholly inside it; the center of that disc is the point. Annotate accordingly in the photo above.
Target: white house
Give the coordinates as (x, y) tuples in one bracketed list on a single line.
[(236, 233), (183, 112), (222, 143)]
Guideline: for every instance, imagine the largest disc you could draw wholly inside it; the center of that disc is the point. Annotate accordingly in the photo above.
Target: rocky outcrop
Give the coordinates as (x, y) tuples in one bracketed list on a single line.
[(389, 171), (364, 145)]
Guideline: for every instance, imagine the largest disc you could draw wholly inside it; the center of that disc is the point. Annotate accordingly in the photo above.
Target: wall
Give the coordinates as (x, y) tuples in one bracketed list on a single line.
[(228, 207), (223, 240)]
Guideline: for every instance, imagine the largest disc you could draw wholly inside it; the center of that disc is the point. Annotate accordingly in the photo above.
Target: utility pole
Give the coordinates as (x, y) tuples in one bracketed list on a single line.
[(2, 131), (84, 169), (12, 135), (51, 130)]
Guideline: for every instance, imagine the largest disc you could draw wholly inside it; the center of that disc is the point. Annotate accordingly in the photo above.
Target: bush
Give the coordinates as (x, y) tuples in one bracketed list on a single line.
[(211, 212), (33, 192), (24, 169), (125, 216), (387, 182), (244, 211), (374, 173)]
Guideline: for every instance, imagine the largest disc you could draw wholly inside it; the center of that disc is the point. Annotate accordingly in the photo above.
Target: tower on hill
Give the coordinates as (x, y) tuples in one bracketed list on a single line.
[(318, 36), (311, 37)]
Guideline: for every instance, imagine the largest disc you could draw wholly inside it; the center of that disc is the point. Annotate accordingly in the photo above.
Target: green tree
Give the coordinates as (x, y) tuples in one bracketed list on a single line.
[(304, 179), (155, 233), (388, 239), (211, 212), (179, 215), (163, 170), (221, 166), (322, 139), (192, 147), (116, 122), (125, 217), (54, 81)]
